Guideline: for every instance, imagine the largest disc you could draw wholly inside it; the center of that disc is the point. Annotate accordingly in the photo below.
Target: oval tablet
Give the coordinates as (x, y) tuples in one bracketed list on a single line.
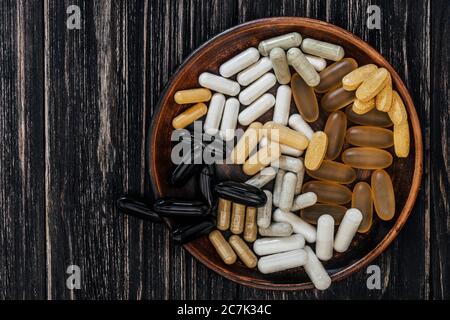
[(192, 96), (367, 158), (332, 76), (239, 62), (353, 80), (222, 247), (383, 195), (335, 129), (383, 100), (372, 85), (313, 213), (401, 140), (316, 150), (397, 112), (328, 192), (362, 200), (360, 107), (190, 115), (334, 172), (336, 99), (304, 98), (368, 136), (371, 118)]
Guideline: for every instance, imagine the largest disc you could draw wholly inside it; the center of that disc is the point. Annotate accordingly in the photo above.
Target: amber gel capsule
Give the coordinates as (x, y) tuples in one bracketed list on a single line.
[(335, 129), (316, 150), (328, 192), (222, 247), (190, 115), (401, 140), (367, 136), (362, 200), (367, 158), (332, 75), (304, 98), (336, 99), (371, 118), (313, 213), (383, 194), (334, 172)]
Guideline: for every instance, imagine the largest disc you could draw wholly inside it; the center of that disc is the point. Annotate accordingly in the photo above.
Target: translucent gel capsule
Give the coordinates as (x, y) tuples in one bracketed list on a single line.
[(316, 150), (285, 135), (323, 49), (192, 96), (246, 144), (219, 84), (331, 77), (360, 107), (239, 62), (254, 72), (368, 136), (401, 140), (250, 228), (383, 195), (312, 214), (243, 251), (347, 229), (353, 80), (305, 69), (280, 65), (383, 100), (222, 247), (367, 158), (372, 85), (334, 172), (362, 200), (335, 129), (261, 159), (276, 229), (397, 112), (371, 118), (256, 109), (237, 218), (328, 192), (264, 215), (336, 99), (317, 62), (285, 41), (190, 115), (223, 214), (305, 99), (257, 89)]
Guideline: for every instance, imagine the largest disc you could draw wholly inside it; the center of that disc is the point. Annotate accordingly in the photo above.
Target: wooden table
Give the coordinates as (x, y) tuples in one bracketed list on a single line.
[(75, 106)]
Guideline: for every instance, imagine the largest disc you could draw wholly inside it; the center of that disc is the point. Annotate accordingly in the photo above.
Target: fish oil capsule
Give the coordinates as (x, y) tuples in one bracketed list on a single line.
[(313, 213), (332, 76), (368, 136), (383, 100), (317, 62), (190, 115), (215, 111), (282, 261), (223, 214), (325, 237), (397, 112), (276, 229), (280, 65), (287, 191), (336, 99), (285, 135), (277, 187), (266, 246), (297, 123), (298, 61), (354, 79), (250, 228), (286, 150), (328, 192), (371, 118), (256, 109), (282, 105), (264, 177), (362, 200), (335, 129), (239, 62), (360, 107), (300, 177), (246, 144), (288, 164), (304, 200), (243, 251), (315, 271), (347, 229), (219, 84), (305, 99), (264, 215), (229, 119), (367, 158), (222, 247), (284, 41), (254, 72), (334, 172), (298, 225), (316, 150), (257, 89), (401, 140), (383, 195), (372, 85), (192, 96), (323, 49), (237, 218), (261, 159)]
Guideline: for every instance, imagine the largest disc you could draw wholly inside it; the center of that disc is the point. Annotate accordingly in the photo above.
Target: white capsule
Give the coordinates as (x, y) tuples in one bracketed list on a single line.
[(239, 62), (264, 215), (256, 109), (257, 89), (315, 271), (305, 69), (219, 84), (286, 150), (300, 177), (254, 72), (298, 225), (282, 105), (285, 41), (265, 246), (215, 111), (287, 191), (323, 49), (317, 62), (282, 261), (325, 236), (276, 229), (277, 187), (347, 229), (297, 123), (229, 119), (304, 200), (263, 177), (280, 65), (288, 163)]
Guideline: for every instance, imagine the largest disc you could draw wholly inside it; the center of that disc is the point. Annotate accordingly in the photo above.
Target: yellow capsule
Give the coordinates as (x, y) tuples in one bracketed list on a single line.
[(367, 158), (397, 112), (313, 213), (246, 144), (223, 214), (368, 136), (334, 172), (352, 80), (316, 150), (372, 85), (328, 192), (262, 158), (371, 118), (304, 98), (237, 218), (383, 195), (243, 251), (401, 140), (383, 100), (335, 129), (192, 96), (222, 247), (250, 229), (190, 115), (285, 135), (332, 75), (362, 200), (336, 99), (360, 107)]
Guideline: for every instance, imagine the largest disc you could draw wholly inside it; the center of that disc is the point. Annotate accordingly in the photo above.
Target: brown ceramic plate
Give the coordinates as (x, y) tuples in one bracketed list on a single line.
[(406, 173)]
